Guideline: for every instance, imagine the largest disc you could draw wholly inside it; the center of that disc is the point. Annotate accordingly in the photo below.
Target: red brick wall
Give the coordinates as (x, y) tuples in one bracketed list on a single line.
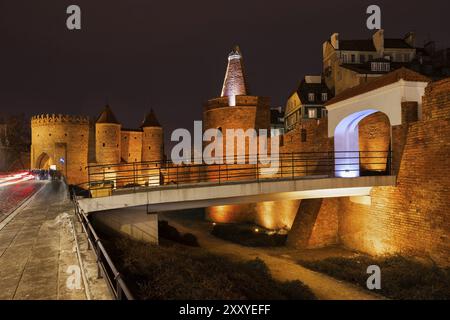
[(413, 217)]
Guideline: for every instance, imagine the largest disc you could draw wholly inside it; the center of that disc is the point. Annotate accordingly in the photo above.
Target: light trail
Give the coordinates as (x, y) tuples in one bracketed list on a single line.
[(15, 178)]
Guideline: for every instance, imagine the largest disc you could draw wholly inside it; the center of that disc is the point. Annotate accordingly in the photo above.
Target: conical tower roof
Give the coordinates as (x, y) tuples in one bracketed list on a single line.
[(235, 82), (107, 116), (150, 120)]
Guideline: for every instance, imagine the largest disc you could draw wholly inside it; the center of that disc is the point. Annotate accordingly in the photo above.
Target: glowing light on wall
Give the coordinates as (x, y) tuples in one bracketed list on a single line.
[(346, 144)]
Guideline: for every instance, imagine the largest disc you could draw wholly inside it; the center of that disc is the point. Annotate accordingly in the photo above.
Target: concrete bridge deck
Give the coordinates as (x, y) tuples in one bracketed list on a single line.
[(167, 198)]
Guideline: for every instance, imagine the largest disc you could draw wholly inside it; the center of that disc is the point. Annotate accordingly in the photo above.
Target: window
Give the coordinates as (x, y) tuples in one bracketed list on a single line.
[(344, 58), (370, 57), (312, 113), (353, 57), (310, 97), (324, 113), (362, 58), (324, 96)]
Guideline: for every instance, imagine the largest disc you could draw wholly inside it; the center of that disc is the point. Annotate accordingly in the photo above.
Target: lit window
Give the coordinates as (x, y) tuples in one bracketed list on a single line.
[(312, 113), (324, 96), (311, 97)]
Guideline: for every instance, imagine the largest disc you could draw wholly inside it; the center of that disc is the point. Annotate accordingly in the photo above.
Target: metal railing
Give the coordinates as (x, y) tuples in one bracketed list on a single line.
[(290, 166), (105, 266)]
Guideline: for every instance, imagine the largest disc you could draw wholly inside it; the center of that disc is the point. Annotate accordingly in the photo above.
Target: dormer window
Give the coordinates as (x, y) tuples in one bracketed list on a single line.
[(324, 96), (311, 97)]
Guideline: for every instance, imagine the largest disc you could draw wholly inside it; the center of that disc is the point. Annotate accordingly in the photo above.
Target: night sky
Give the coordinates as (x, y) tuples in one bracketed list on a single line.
[(171, 55)]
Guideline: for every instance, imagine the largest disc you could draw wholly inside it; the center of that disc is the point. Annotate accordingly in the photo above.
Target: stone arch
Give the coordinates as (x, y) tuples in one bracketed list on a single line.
[(43, 161), (372, 158)]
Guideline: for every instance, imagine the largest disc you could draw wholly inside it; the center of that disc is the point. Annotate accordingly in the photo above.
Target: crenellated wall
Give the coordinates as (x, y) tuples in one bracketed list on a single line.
[(61, 140)]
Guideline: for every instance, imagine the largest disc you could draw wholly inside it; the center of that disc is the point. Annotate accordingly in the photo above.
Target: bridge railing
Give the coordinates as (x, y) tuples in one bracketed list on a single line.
[(105, 266), (107, 177)]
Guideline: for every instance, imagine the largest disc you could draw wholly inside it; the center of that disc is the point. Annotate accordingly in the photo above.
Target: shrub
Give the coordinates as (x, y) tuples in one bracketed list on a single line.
[(401, 278), (169, 232), (246, 236)]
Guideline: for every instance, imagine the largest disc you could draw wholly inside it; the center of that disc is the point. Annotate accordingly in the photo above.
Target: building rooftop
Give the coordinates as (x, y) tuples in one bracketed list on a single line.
[(387, 79), (107, 116), (150, 120)]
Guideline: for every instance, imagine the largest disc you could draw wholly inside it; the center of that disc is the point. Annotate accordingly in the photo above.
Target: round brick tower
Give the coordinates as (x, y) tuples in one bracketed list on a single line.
[(235, 109), (152, 138), (152, 149), (107, 138)]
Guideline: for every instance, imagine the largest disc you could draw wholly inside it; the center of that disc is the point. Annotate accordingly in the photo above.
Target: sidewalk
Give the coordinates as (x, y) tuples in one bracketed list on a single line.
[(38, 251)]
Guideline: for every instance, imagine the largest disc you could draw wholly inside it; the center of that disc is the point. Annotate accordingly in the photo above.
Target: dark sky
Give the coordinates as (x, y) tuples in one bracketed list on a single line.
[(171, 55)]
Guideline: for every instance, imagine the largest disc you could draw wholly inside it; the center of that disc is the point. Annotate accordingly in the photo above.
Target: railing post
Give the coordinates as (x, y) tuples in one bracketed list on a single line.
[(118, 289), (292, 164), (134, 176), (257, 170)]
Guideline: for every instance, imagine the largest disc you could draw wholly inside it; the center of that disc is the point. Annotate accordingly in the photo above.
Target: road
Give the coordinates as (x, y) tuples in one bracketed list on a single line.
[(11, 196)]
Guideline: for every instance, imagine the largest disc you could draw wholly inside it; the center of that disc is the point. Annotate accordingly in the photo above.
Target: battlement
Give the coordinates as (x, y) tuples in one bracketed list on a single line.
[(44, 119)]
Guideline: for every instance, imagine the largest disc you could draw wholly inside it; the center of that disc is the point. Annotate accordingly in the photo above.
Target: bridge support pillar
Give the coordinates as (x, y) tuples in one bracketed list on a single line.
[(315, 225)]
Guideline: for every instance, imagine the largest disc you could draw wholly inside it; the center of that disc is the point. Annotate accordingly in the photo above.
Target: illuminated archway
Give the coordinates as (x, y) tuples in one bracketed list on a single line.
[(43, 161), (348, 156)]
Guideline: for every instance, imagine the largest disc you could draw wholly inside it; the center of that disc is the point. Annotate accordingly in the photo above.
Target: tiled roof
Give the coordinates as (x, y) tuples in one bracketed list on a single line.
[(387, 79), (150, 120), (396, 44), (356, 45), (107, 116)]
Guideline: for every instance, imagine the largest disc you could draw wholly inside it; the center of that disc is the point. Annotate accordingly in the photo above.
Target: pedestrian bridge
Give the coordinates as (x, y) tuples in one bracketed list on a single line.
[(199, 195), (162, 186)]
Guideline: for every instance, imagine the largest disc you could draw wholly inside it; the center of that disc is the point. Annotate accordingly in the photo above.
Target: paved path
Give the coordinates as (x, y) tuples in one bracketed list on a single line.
[(38, 252), (281, 264)]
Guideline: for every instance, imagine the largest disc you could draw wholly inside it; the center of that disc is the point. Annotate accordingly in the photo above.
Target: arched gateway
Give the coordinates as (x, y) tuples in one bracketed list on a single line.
[(346, 111)]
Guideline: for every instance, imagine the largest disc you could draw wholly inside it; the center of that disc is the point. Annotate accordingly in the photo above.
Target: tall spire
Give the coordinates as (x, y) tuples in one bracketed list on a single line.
[(234, 83)]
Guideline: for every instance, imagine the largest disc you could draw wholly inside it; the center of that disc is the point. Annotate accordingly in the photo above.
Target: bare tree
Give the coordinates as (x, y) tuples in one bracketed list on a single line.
[(16, 138)]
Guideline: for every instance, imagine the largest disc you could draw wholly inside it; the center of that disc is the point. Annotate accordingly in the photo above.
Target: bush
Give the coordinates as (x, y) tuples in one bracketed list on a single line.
[(168, 232), (401, 278), (246, 236), (155, 272)]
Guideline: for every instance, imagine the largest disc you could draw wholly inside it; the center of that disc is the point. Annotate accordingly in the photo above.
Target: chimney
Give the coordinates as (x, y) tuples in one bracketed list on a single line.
[(378, 41), (410, 39), (335, 40)]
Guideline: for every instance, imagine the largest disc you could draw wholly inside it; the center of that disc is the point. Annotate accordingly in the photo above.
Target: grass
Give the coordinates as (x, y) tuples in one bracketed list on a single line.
[(401, 278), (174, 272), (244, 234)]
